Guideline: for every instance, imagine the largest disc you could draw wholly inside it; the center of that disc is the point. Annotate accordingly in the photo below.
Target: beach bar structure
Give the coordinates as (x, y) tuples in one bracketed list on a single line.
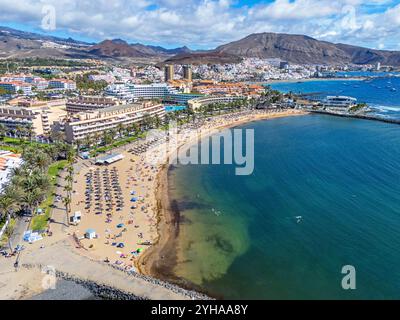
[(90, 234), (76, 218), (109, 159)]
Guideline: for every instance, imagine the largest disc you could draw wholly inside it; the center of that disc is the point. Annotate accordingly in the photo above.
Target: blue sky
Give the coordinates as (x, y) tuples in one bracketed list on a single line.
[(204, 24)]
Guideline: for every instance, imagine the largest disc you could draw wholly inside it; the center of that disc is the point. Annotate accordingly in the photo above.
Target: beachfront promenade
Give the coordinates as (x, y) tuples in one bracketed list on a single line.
[(64, 259)]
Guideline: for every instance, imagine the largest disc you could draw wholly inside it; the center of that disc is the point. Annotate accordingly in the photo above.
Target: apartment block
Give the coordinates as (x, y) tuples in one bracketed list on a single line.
[(16, 86), (88, 103), (39, 115), (62, 84), (92, 123)]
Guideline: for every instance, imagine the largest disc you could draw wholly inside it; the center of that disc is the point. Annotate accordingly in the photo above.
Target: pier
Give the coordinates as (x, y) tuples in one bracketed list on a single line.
[(358, 116)]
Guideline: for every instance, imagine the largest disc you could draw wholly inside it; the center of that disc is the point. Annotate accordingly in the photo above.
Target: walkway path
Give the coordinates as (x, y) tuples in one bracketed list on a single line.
[(63, 257)]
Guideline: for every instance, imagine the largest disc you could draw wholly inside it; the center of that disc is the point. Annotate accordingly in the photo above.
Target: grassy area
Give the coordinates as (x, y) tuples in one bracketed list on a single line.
[(39, 222), (116, 144), (9, 148), (7, 233), (16, 145)]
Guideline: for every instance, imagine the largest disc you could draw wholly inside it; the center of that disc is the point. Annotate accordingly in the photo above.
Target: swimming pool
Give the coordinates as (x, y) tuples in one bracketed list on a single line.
[(174, 108)]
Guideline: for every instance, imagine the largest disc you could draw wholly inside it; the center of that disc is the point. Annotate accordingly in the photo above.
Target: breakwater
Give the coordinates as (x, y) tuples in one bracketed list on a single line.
[(106, 292), (359, 116)]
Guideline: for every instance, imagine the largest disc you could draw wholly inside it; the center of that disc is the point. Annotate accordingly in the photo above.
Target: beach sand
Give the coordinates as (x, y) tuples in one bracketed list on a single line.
[(129, 226), (124, 236)]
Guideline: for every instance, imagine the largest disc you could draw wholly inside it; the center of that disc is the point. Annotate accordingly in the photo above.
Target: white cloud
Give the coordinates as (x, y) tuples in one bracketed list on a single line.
[(208, 23)]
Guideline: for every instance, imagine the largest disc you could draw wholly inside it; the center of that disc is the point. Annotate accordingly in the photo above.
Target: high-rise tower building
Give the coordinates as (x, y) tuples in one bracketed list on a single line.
[(169, 72), (187, 73)]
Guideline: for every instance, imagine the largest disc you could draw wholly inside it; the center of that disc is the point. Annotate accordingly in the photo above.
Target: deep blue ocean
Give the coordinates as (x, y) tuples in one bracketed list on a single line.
[(381, 93), (240, 237)]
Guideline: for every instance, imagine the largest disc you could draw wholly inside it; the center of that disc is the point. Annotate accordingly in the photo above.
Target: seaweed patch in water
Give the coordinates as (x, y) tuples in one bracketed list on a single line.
[(221, 243)]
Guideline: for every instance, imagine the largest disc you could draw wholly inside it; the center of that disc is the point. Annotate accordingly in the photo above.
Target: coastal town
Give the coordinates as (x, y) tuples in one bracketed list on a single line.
[(86, 146), (93, 187)]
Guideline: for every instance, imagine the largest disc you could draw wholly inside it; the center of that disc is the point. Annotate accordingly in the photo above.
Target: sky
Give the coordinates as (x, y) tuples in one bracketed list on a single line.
[(206, 24)]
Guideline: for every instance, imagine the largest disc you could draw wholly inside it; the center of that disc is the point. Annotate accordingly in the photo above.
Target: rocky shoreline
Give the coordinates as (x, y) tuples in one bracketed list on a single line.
[(106, 292)]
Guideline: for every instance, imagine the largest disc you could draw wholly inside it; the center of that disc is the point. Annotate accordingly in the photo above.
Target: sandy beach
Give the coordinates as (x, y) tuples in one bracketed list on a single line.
[(126, 203)]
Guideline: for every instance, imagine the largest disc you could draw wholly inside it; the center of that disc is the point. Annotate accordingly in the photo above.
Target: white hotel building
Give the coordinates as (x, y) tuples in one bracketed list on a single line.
[(204, 101), (154, 91), (39, 118), (62, 84), (130, 91), (96, 122), (88, 103), (16, 86)]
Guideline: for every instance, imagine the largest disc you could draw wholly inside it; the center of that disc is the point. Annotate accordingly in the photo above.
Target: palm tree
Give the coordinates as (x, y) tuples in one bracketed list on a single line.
[(69, 179), (120, 129), (3, 130), (67, 203), (57, 136), (78, 144), (19, 130), (70, 170), (42, 181), (157, 121), (31, 199), (97, 138), (146, 121), (70, 154), (88, 141), (41, 161), (29, 131), (135, 128), (108, 137), (8, 206), (52, 151)]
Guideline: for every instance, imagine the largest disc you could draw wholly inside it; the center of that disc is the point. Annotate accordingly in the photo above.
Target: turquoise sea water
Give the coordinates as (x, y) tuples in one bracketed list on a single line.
[(240, 238), (381, 93)]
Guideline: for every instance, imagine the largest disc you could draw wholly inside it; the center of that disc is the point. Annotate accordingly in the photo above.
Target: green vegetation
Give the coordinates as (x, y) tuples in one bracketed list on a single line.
[(4, 92), (357, 107), (32, 185), (8, 232), (83, 83), (13, 64), (7, 66), (17, 145), (39, 222)]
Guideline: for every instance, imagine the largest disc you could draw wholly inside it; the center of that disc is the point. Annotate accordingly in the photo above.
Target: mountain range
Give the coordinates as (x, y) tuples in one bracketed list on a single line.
[(298, 49)]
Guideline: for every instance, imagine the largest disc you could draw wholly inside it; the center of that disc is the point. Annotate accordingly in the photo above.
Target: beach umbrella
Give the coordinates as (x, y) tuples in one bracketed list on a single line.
[(134, 199), (121, 225)]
